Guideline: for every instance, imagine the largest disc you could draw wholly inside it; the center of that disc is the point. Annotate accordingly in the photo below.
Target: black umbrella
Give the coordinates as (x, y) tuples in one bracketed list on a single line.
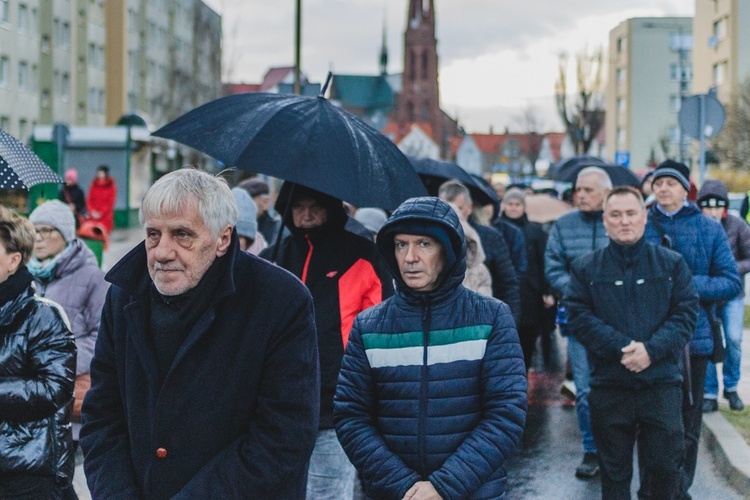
[(435, 172), (620, 176), (306, 140), (20, 168), (572, 162)]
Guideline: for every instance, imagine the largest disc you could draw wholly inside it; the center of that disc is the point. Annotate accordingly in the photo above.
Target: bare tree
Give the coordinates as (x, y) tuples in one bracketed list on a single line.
[(733, 142), (531, 125), (582, 112)]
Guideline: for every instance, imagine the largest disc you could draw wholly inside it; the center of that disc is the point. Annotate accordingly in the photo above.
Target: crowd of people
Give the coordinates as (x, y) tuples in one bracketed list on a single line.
[(336, 352)]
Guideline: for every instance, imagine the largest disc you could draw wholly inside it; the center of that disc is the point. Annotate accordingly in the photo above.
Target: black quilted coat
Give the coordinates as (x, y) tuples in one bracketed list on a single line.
[(37, 370)]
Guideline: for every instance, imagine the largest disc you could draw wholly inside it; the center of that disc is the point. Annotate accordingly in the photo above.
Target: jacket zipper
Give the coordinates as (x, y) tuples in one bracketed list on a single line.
[(423, 392), (303, 278)]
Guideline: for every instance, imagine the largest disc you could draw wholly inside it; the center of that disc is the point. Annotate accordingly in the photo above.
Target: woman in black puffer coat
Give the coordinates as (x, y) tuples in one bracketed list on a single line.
[(37, 371)]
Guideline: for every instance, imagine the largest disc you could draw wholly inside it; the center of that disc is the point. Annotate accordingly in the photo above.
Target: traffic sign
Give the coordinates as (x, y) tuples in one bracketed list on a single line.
[(690, 116)]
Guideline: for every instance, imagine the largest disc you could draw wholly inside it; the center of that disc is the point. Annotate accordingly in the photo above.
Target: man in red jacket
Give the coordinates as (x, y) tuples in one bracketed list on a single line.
[(345, 276)]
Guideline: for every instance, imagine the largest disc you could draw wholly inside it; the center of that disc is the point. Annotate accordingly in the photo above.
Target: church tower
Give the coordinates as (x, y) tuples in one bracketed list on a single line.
[(419, 100)]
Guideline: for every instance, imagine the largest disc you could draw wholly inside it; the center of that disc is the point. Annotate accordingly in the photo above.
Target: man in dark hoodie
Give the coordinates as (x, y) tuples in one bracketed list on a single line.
[(345, 276), (713, 199)]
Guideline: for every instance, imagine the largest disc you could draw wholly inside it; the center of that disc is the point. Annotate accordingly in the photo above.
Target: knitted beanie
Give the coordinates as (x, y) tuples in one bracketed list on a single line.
[(58, 215)]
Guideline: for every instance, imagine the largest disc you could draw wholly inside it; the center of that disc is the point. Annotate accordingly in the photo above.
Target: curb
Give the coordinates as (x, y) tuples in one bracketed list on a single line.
[(730, 452)]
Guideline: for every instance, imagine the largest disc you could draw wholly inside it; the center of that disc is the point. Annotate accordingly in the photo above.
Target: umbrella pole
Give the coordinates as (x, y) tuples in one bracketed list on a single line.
[(287, 208)]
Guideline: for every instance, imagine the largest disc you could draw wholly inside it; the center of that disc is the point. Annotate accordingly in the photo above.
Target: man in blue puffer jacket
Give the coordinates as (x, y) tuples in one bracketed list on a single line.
[(675, 222), (431, 397)]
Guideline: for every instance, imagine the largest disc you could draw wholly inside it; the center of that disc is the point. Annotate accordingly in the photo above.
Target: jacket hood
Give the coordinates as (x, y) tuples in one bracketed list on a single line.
[(475, 255), (713, 188), (291, 192), (425, 210)]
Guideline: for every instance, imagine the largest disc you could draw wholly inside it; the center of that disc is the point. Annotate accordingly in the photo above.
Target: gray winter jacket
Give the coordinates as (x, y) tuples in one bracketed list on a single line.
[(78, 286), (573, 235)]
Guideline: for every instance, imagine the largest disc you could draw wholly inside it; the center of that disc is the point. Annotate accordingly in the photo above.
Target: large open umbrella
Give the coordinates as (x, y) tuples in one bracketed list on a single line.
[(306, 140), (572, 162), (620, 176), (20, 168), (435, 172)]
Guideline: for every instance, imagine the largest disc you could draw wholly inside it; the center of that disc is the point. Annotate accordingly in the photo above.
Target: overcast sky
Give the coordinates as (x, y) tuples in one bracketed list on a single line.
[(497, 57)]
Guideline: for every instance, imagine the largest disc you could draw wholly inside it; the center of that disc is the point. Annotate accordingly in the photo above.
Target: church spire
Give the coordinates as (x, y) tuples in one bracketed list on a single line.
[(384, 49)]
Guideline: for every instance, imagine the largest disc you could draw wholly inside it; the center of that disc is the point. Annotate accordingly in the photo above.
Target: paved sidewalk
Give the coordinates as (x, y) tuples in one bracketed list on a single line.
[(731, 453)]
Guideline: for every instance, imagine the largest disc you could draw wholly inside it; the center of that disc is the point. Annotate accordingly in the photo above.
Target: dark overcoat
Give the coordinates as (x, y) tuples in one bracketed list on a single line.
[(237, 413)]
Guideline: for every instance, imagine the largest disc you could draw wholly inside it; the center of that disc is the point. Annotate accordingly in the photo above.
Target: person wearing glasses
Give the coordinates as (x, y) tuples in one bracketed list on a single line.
[(66, 271)]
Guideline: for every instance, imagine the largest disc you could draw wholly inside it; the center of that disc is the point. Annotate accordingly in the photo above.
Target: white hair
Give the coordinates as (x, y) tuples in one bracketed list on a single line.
[(176, 191), (604, 181)]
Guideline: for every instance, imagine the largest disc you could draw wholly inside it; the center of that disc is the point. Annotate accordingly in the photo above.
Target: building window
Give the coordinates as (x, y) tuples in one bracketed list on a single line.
[(621, 44), (674, 72), (45, 45), (720, 73), (65, 35), (620, 137), (65, 86), (23, 18), (720, 29), (675, 103), (23, 125), (4, 71), (23, 75), (81, 111), (620, 75), (4, 11), (622, 105), (4, 122), (45, 98), (680, 41)]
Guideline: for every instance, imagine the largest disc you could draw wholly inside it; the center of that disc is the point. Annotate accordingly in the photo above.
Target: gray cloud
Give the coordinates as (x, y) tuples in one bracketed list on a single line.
[(346, 34)]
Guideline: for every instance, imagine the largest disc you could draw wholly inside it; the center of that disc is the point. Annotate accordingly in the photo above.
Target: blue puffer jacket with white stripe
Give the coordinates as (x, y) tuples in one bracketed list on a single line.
[(432, 386)]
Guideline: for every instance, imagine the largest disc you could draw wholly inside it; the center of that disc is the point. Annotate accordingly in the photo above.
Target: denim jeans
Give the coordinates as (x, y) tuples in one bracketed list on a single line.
[(330, 475), (579, 363), (732, 316)]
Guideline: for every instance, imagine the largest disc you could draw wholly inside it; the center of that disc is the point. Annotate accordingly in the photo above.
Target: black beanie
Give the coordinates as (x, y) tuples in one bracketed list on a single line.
[(677, 170)]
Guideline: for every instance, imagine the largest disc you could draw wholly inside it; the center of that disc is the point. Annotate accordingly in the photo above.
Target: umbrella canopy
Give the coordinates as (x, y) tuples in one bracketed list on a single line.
[(543, 208), (306, 140), (20, 168), (620, 176), (435, 172), (573, 162)]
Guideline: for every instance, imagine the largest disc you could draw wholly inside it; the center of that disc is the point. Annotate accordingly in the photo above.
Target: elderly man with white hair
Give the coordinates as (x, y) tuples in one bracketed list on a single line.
[(573, 235), (201, 385)]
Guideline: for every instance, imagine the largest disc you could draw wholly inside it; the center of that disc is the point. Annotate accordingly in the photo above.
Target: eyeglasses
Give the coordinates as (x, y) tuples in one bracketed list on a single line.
[(45, 232)]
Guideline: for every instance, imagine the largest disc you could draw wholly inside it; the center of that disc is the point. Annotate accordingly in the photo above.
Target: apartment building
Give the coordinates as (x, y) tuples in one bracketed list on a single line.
[(650, 72), (721, 56), (88, 62)]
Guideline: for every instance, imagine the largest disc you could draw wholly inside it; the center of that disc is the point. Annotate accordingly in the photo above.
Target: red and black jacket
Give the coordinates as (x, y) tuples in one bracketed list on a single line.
[(344, 274)]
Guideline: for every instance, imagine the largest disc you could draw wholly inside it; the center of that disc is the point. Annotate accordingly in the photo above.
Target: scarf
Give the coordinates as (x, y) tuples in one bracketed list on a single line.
[(45, 270)]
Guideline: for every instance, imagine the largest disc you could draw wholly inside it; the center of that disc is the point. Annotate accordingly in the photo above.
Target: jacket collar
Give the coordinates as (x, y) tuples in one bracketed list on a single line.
[(626, 254)]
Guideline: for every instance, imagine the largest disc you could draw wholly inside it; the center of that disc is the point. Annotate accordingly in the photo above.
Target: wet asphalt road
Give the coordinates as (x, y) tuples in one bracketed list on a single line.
[(544, 467)]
